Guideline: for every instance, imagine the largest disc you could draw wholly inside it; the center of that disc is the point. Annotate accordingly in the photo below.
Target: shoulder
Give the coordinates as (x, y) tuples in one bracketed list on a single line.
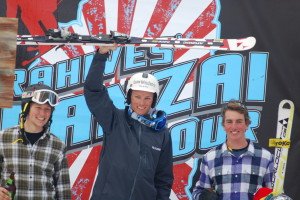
[(10, 129), (10, 136), (165, 133), (159, 138), (261, 152), (57, 143), (213, 153), (9, 132)]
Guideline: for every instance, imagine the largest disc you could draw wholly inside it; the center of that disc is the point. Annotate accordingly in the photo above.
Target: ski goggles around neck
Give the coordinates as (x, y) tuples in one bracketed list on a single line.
[(43, 96), (157, 121)]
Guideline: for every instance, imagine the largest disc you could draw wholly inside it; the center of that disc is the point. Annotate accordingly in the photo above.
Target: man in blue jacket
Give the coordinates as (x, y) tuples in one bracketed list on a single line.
[(136, 158)]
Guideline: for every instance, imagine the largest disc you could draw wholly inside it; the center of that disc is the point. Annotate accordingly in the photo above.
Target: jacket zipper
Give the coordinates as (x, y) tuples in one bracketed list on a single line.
[(140, 158)]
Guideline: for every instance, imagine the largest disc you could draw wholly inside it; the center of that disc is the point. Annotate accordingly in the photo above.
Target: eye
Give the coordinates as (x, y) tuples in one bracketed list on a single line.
[(228, 122), (240, 121), (137, 97)]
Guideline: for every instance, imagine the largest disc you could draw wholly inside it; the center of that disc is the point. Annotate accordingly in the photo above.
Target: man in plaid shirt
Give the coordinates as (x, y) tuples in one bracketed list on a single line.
[(34, 155), (236, 169)]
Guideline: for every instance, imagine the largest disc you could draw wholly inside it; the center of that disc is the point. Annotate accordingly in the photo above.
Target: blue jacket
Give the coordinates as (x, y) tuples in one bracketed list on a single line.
[(136, 161)]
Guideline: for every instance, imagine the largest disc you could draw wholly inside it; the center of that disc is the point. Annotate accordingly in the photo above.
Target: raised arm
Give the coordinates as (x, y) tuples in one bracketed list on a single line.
[(95, 92)]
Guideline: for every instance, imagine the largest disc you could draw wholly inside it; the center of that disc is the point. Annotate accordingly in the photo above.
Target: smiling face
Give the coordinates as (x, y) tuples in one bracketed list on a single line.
[(235, 126), (141, 101), (38, 116)]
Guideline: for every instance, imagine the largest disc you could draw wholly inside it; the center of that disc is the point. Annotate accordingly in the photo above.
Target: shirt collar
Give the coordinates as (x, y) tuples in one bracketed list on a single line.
[(226, 152)]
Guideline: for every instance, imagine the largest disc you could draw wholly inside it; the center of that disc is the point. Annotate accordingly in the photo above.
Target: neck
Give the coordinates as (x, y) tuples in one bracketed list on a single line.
[(237, 144), (32, 129)]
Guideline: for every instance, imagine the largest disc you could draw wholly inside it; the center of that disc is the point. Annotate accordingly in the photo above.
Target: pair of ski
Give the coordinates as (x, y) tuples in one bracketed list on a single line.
[(281, 143), (59, 37)]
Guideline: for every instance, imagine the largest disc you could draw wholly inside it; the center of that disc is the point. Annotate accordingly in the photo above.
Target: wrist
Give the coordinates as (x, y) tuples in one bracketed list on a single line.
[(102, 51)]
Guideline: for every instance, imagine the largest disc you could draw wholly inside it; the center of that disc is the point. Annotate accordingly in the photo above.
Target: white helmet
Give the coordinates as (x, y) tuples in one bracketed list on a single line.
[(143, 82)]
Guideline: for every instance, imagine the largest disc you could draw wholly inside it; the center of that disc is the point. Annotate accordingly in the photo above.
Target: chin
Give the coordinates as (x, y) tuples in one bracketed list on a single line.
[(142, 113)]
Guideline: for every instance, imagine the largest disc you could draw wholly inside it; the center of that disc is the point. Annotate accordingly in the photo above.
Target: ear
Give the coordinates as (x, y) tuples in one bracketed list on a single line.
[(128, 97), (247, 125), (154, 100)]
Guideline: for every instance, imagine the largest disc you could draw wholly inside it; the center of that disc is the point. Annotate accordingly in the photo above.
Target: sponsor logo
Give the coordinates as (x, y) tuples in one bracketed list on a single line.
[(282, 143), (142, 82), (156, 148)]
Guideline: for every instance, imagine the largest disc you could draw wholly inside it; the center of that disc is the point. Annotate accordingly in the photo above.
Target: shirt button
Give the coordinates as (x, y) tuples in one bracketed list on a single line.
[(236, 176)]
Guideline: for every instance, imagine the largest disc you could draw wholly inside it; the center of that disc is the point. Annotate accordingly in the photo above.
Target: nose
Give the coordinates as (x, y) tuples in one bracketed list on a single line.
[(142, 102), (234, 124)]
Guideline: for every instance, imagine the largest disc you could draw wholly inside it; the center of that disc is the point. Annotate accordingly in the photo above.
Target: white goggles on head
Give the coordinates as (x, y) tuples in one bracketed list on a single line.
[(42, 96)]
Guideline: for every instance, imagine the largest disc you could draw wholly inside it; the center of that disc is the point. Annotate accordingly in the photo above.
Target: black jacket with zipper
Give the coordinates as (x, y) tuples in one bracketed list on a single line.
[(136, 161)]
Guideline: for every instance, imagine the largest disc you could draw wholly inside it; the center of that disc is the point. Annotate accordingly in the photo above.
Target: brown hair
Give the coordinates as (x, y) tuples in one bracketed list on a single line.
[(237, 106)]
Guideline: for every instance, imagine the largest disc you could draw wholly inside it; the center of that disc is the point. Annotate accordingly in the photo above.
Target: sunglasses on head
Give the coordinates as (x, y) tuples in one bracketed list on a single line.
[(235, 104)]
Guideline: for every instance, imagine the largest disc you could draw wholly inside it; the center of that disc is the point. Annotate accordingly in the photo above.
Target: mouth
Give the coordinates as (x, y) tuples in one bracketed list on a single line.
[(41, 119), (235, 132), (141, 108)]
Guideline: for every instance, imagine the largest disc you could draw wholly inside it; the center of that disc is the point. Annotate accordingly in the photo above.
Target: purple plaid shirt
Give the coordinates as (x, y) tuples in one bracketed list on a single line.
[(235, 178)]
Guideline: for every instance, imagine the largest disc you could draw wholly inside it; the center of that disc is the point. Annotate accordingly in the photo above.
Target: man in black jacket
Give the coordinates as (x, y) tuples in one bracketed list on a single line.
[(136, 159)]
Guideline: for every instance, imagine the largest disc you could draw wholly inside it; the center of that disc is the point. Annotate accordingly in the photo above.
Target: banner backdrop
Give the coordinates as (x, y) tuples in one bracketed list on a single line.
[(195, 83)]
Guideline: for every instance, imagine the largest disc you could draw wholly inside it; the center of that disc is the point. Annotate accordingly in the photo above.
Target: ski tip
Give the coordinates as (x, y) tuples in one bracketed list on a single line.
[(241, 44), (287, 104), (250, 42)]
